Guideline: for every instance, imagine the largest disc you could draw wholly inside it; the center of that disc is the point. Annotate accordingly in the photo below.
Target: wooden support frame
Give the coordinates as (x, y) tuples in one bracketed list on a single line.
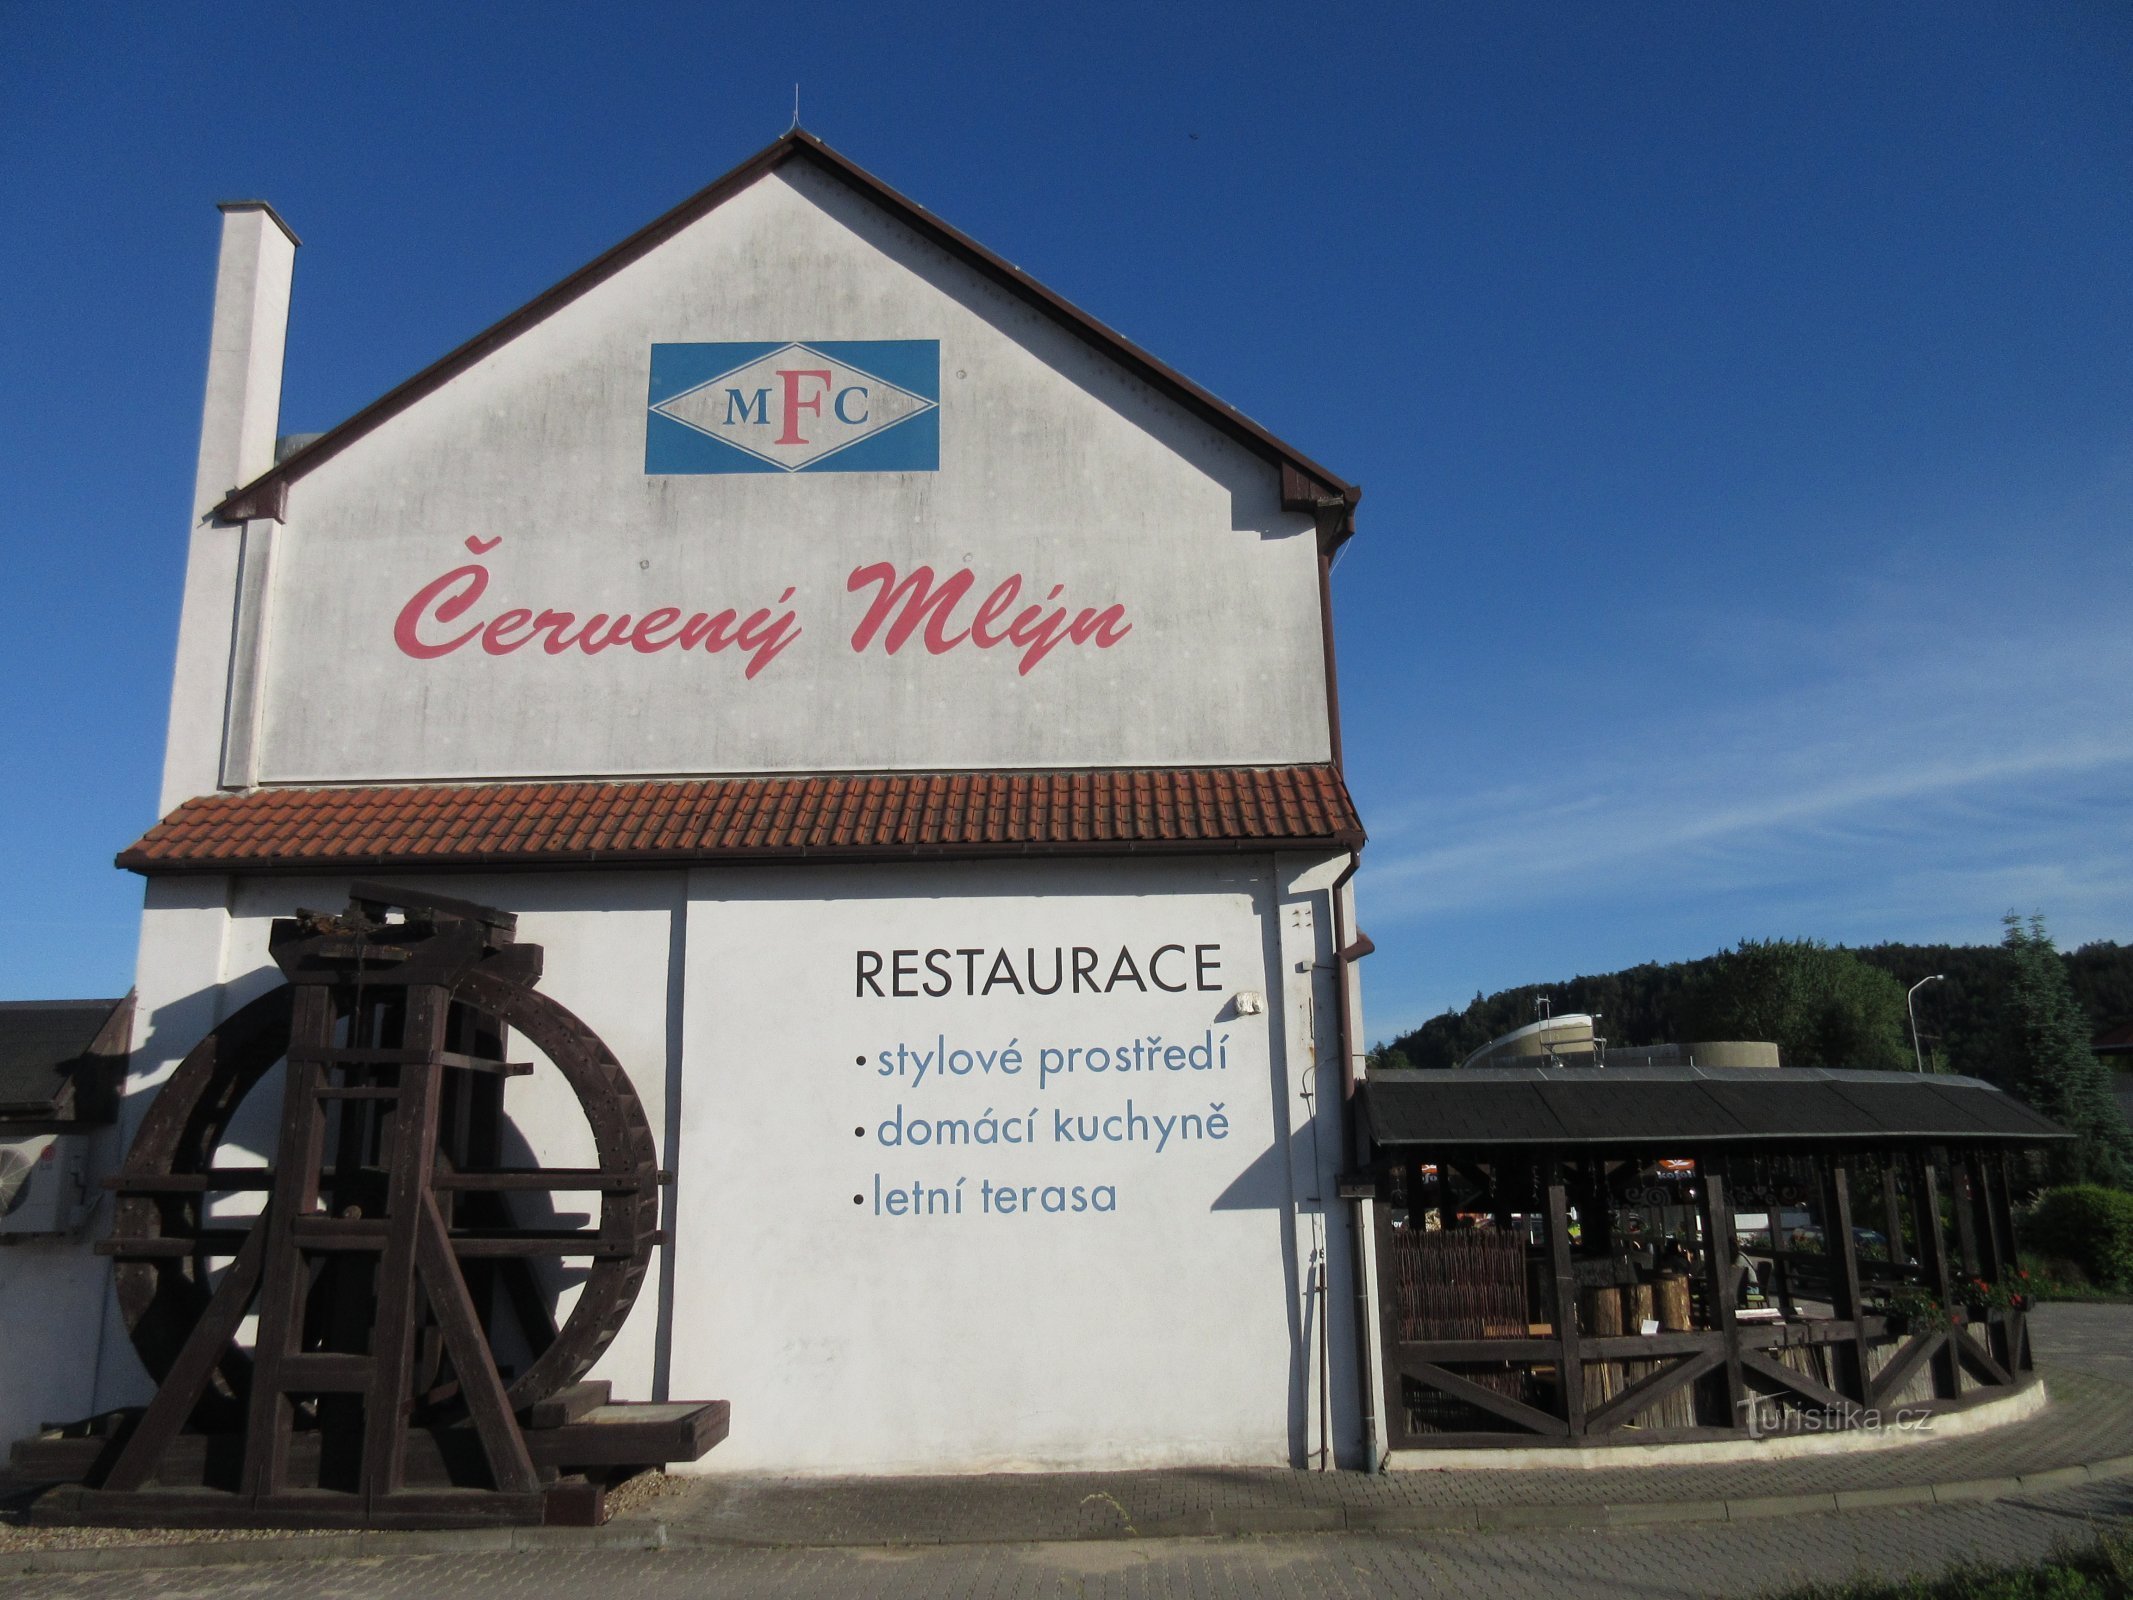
[(1444, 1381), (1843, 1244), (1775, 1377), (1570, 1365), (1718, 1257), (1963, 1200), (1745, 1365), (371, 1394), (1933, 1260), (1653, 1387)]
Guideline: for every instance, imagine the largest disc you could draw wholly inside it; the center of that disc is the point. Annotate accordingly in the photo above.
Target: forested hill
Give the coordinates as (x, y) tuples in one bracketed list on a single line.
[(1960, 1018)]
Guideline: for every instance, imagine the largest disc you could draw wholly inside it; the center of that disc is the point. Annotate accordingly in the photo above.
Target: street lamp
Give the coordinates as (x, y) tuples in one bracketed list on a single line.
[(1917, 1054)]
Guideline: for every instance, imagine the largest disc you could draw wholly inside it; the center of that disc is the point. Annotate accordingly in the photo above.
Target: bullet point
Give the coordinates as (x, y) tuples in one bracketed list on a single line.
[(859, 1199), (859, 1061), (859, 1133)]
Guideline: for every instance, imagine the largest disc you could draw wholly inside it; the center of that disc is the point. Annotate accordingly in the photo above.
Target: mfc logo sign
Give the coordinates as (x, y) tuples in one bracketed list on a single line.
[(828, 405)]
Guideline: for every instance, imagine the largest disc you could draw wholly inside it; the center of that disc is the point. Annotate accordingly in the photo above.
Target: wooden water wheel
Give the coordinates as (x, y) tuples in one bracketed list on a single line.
[(405, 1367)]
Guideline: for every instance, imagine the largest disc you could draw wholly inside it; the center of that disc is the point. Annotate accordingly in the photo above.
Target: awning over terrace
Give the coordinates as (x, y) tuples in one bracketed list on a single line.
[(1584, 1107)]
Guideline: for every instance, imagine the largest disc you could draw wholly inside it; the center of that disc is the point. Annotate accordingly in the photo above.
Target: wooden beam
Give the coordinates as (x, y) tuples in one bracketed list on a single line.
[(1964, 1197), (414, 1146), (1914, 1351), (216, 1180), (1531, 1418), (1892, 1211), (1997, 1258), (1779, 1376), (297, 1154), (1570, 1365), (472, 1359), (1652, 1388), (544, 1179), (1852, 1365), (1476, 1349), (1621, 1347), (622, 1436), (188, 1376), (1718, 1262), (568, 1404), (1933, 1259), (1979, 1361)]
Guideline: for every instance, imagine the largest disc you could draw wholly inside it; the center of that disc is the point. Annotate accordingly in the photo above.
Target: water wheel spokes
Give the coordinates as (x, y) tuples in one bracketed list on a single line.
[(389, 1258)]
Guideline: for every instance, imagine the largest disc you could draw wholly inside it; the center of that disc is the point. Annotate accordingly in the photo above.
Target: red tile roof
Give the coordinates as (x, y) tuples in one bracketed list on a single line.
[(753, 819)]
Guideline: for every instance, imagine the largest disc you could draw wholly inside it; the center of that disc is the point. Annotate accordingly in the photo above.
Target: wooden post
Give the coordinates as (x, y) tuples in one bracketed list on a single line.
[(1718, 1260), (281, 1298), (414, 1140), (1397, 1432), (2002, 1167), (188, 1376), (1933, 1258), (1963, 1202), (1892, 1211), (1569, 1363), (1992, 1261), (1844, 1283), (1999, 1261), (1780, 1245), (1999, 1210)]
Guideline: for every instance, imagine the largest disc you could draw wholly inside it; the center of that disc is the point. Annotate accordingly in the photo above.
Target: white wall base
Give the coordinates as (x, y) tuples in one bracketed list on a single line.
[(2023, 1403)]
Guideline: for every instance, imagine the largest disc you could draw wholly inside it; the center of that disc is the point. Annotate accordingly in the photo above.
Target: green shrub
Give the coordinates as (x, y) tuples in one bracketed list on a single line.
[(2088, 1225)]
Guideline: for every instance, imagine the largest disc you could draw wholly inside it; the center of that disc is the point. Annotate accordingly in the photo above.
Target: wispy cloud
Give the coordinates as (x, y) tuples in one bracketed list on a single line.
[(1898, 779)]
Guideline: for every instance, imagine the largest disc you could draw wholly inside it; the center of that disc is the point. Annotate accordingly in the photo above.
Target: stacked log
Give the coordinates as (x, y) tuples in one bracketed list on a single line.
[(1670, 1303), (1636, 1312), (1602, 1319)]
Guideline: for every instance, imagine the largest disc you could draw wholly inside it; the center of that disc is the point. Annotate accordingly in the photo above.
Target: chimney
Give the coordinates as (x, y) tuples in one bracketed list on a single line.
[(244, 357), (237, 427)]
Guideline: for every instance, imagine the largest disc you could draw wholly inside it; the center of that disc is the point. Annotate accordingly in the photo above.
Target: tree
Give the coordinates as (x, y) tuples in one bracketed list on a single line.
[(1386, 1058), (1959, 1018), (2045, 1039), (1822, 1007)]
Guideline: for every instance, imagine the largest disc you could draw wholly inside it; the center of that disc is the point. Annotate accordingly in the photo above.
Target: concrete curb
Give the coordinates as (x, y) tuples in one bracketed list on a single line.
[(1222, 1522)]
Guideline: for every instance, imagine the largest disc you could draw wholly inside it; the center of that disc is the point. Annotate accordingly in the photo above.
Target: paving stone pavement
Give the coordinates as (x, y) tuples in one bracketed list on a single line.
[(2097, 1339), (2089, 1420), (1560, 1532), (1655, 1563)]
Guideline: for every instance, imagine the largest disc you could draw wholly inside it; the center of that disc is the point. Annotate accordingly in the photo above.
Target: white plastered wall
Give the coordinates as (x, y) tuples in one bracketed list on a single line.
[(1180, 1327), (1055, 465), (1177, 1328), (1337, 1389)]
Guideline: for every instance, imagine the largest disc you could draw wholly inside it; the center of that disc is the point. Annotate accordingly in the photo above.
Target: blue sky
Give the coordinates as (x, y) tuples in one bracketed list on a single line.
[(1743, 395)]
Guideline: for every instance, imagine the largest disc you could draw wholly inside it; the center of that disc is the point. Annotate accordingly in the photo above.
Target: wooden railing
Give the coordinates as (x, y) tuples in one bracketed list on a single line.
[(1558, 1383)]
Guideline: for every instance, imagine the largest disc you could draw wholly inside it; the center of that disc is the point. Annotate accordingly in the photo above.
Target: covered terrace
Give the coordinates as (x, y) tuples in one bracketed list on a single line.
[(1578, 1256)]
